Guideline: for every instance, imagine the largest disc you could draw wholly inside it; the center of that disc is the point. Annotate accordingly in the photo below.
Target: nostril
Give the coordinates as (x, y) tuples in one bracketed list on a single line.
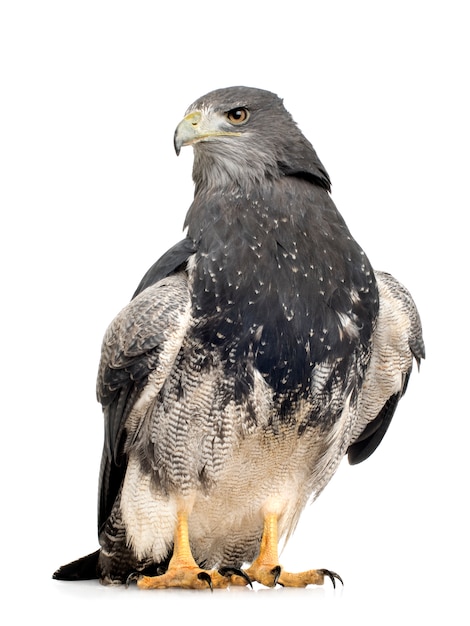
[(194, 118)]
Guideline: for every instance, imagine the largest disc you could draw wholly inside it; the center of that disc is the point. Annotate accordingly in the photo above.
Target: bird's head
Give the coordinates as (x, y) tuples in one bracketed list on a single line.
[(245, 136)]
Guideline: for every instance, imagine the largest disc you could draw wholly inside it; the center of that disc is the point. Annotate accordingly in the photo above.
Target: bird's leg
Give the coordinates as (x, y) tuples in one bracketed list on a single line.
[(266, 570), (183, 571)]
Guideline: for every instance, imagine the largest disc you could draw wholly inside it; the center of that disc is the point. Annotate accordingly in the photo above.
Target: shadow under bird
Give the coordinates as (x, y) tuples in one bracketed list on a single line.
[(254, 355)]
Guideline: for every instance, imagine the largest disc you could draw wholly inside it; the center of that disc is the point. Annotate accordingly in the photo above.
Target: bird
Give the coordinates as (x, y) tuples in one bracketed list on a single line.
[(254, 356)]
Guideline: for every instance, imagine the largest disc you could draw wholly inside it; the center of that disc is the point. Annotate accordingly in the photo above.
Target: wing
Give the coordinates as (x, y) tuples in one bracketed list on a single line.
[(397, 340), (138, 352), (171, 261)]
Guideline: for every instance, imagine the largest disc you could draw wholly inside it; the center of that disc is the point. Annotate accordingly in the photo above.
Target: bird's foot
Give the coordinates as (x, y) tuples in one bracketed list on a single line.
[(184, 572), (272, 575), (266, 570), (189, 577)]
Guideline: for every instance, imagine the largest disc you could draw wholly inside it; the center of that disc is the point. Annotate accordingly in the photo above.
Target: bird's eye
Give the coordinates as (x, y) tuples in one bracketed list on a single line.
[(238, 116)]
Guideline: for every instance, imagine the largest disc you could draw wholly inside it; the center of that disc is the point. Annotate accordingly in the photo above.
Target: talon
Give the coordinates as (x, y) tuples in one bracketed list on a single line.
[(332, 576), (133, 577), (206, 578), (233, 571), (276, 572)]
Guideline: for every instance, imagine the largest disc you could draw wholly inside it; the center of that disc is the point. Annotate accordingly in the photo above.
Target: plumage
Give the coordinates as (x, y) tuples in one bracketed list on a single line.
[(254, 355)]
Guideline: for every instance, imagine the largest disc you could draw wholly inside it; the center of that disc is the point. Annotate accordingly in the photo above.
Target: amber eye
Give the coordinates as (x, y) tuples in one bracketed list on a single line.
[(238, 116)]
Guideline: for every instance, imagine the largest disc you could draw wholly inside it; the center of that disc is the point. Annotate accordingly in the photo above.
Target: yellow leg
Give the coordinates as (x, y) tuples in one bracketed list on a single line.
[(182, 556), (266, 570), (183, 571)]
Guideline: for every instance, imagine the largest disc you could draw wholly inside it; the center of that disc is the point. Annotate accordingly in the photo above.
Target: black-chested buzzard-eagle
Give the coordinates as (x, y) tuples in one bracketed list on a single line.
[(254, 355)]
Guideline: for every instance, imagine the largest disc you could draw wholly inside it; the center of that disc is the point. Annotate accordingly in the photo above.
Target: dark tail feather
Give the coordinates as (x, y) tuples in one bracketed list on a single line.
[(85, 568)]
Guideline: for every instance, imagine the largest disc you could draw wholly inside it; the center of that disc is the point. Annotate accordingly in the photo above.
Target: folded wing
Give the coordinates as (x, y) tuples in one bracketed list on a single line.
[(138, 352), (397, 340)]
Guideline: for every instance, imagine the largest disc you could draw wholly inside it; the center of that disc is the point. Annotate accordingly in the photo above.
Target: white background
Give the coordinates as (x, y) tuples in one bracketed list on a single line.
[(92, 194)]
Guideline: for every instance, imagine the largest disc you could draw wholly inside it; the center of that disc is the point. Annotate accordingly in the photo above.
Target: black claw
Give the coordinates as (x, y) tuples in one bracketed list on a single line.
[(234, 571), (276, 572), (332, 576), (133, 577), (206, 577)]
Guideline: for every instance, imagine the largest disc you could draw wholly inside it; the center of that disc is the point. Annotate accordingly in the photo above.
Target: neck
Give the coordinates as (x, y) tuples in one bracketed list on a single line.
[(217, 166)]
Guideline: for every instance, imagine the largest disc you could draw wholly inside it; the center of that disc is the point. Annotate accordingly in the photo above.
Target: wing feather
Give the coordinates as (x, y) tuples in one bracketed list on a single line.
[(397, 340), (138, 352)]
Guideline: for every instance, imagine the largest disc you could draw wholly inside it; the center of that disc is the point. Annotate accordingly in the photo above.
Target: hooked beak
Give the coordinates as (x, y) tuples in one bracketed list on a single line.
[(197, 127), (187, 131)]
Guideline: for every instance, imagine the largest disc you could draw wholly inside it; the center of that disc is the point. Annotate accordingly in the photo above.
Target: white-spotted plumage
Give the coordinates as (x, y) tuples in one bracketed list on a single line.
[(274, 466)]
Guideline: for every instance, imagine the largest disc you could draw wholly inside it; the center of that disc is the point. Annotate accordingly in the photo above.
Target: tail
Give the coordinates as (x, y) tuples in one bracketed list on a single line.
[(85, 568)]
